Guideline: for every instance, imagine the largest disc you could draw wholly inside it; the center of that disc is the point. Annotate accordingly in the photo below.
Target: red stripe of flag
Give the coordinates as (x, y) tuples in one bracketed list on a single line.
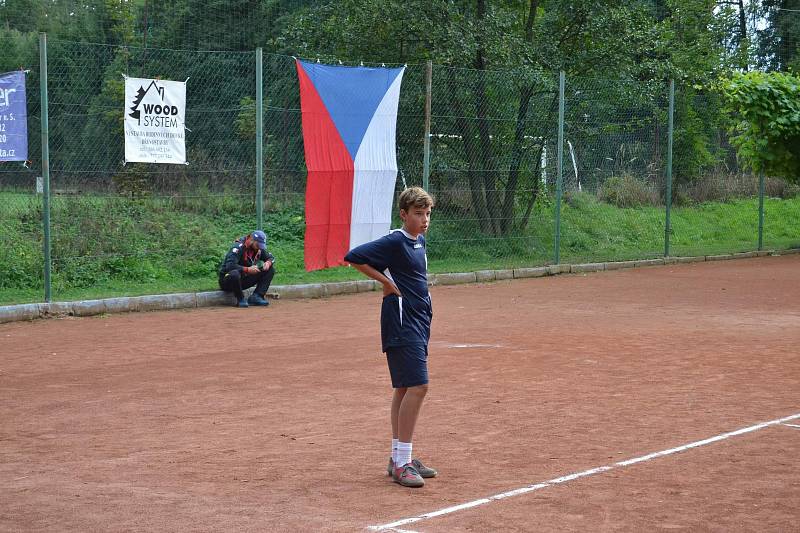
[(329, 189)]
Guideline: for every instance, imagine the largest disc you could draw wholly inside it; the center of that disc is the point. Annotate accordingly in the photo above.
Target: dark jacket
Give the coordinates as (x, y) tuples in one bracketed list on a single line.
[(235, 258)]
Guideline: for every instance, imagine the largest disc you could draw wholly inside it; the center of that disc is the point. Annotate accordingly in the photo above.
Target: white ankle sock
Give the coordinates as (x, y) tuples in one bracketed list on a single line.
[(394, 449), (403, 454)]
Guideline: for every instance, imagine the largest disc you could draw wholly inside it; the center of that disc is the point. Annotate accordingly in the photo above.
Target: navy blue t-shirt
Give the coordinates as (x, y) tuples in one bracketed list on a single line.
[(405, 320)]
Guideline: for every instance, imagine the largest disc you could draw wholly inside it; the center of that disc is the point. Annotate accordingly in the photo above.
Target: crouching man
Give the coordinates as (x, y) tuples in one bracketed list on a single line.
[(247, 264)]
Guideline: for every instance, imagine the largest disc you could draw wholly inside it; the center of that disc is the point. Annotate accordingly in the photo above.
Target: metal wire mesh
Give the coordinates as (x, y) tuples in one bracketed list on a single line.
[(490, 133), (493, 171), (102, 209), (615, 135), (21, 230), (715, 200)]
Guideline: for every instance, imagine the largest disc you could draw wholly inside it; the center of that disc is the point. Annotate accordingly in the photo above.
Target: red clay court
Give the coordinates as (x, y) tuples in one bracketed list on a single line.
[(550, 399)]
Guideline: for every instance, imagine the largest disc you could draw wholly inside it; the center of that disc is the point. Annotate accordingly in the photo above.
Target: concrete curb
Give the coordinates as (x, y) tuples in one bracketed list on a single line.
[(697, 259), (536, 272), (503, 274), (587, 267), (620, 265), (455, 278), (649, 262), (482, 276), (188, 300), (555, 270)]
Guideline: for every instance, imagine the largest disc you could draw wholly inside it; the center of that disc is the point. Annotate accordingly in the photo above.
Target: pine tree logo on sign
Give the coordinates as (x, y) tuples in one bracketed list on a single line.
[(156, 112)]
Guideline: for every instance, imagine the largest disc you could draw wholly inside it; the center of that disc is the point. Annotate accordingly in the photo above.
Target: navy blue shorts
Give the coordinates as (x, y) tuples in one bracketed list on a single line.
[(408, 365)]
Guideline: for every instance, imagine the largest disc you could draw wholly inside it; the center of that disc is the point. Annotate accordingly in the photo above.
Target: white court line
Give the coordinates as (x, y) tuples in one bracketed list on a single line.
[(590, 472), (792, 425)]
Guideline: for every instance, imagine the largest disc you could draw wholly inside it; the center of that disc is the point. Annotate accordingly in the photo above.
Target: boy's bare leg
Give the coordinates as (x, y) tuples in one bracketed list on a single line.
[(397, 400), (410, 405)]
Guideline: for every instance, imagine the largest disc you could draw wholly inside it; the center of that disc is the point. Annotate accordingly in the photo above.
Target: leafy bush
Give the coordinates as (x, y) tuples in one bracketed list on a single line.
[(716, 187), (627, 191), (21, 266), (780, 188), (287, 225), (133, 181), (200, 199), (725, 187), (767, 129), (579, 199), (697, 124)]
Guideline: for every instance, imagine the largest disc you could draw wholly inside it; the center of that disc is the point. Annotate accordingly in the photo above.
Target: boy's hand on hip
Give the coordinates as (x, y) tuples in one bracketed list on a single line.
[(390, 288)]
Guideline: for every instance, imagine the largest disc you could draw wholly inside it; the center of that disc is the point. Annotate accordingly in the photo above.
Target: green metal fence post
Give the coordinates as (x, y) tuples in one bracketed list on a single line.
[(45, 164), (426, 142), (668, 199), (259, 139), (760, 210), (560, 163)]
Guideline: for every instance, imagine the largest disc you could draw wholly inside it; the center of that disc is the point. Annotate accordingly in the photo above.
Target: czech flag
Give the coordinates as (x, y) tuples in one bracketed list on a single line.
[(349, 124)]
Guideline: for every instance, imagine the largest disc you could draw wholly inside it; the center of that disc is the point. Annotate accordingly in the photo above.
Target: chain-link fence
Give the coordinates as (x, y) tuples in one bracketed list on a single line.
[(615, 136), (140, 222), (493, 135), (21, 230), (493, 167)]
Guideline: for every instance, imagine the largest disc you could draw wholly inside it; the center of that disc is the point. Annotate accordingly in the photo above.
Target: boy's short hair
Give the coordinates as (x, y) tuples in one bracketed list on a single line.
[(414, 197)]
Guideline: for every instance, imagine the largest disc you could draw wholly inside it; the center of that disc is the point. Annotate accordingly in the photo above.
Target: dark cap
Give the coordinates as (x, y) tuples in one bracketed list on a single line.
[(261, 238)]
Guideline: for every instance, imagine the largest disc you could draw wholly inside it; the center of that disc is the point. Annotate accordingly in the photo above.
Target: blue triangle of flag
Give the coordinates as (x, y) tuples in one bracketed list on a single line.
[(351, 95)]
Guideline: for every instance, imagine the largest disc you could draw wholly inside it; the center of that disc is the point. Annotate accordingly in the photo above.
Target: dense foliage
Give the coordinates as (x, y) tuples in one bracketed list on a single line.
[(767, 132), (500, 91)]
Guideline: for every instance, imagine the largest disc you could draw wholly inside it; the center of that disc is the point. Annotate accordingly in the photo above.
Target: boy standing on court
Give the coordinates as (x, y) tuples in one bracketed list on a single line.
[(399, 262)]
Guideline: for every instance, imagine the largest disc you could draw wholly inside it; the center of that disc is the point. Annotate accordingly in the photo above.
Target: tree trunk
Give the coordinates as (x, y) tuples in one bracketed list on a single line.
[(506, 220), (537, 179), (470, 152), (538, 172), (485, 159), (743, 35)]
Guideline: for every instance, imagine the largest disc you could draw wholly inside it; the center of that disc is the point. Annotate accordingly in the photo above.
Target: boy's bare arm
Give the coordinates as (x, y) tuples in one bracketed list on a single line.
[(388, 285)]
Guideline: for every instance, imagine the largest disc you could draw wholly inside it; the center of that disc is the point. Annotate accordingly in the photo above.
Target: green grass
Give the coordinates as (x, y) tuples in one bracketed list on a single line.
[(104, 247)]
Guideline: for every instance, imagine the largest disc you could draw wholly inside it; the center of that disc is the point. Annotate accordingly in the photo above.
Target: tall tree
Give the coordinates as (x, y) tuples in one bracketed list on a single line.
[(780, 38)]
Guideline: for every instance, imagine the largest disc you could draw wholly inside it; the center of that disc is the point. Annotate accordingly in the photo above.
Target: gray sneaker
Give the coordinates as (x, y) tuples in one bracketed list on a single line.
[(407, 476), (424, 471)]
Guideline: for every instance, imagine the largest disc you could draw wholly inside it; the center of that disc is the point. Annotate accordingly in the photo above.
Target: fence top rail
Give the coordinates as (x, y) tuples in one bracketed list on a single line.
[(518, 70), (150, 48)]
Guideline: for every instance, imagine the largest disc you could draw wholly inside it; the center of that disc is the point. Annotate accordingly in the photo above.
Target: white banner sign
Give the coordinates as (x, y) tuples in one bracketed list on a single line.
[(154, 121)]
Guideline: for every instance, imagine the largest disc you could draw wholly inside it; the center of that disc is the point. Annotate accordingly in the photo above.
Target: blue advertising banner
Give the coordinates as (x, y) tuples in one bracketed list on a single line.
[(13, 117)]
